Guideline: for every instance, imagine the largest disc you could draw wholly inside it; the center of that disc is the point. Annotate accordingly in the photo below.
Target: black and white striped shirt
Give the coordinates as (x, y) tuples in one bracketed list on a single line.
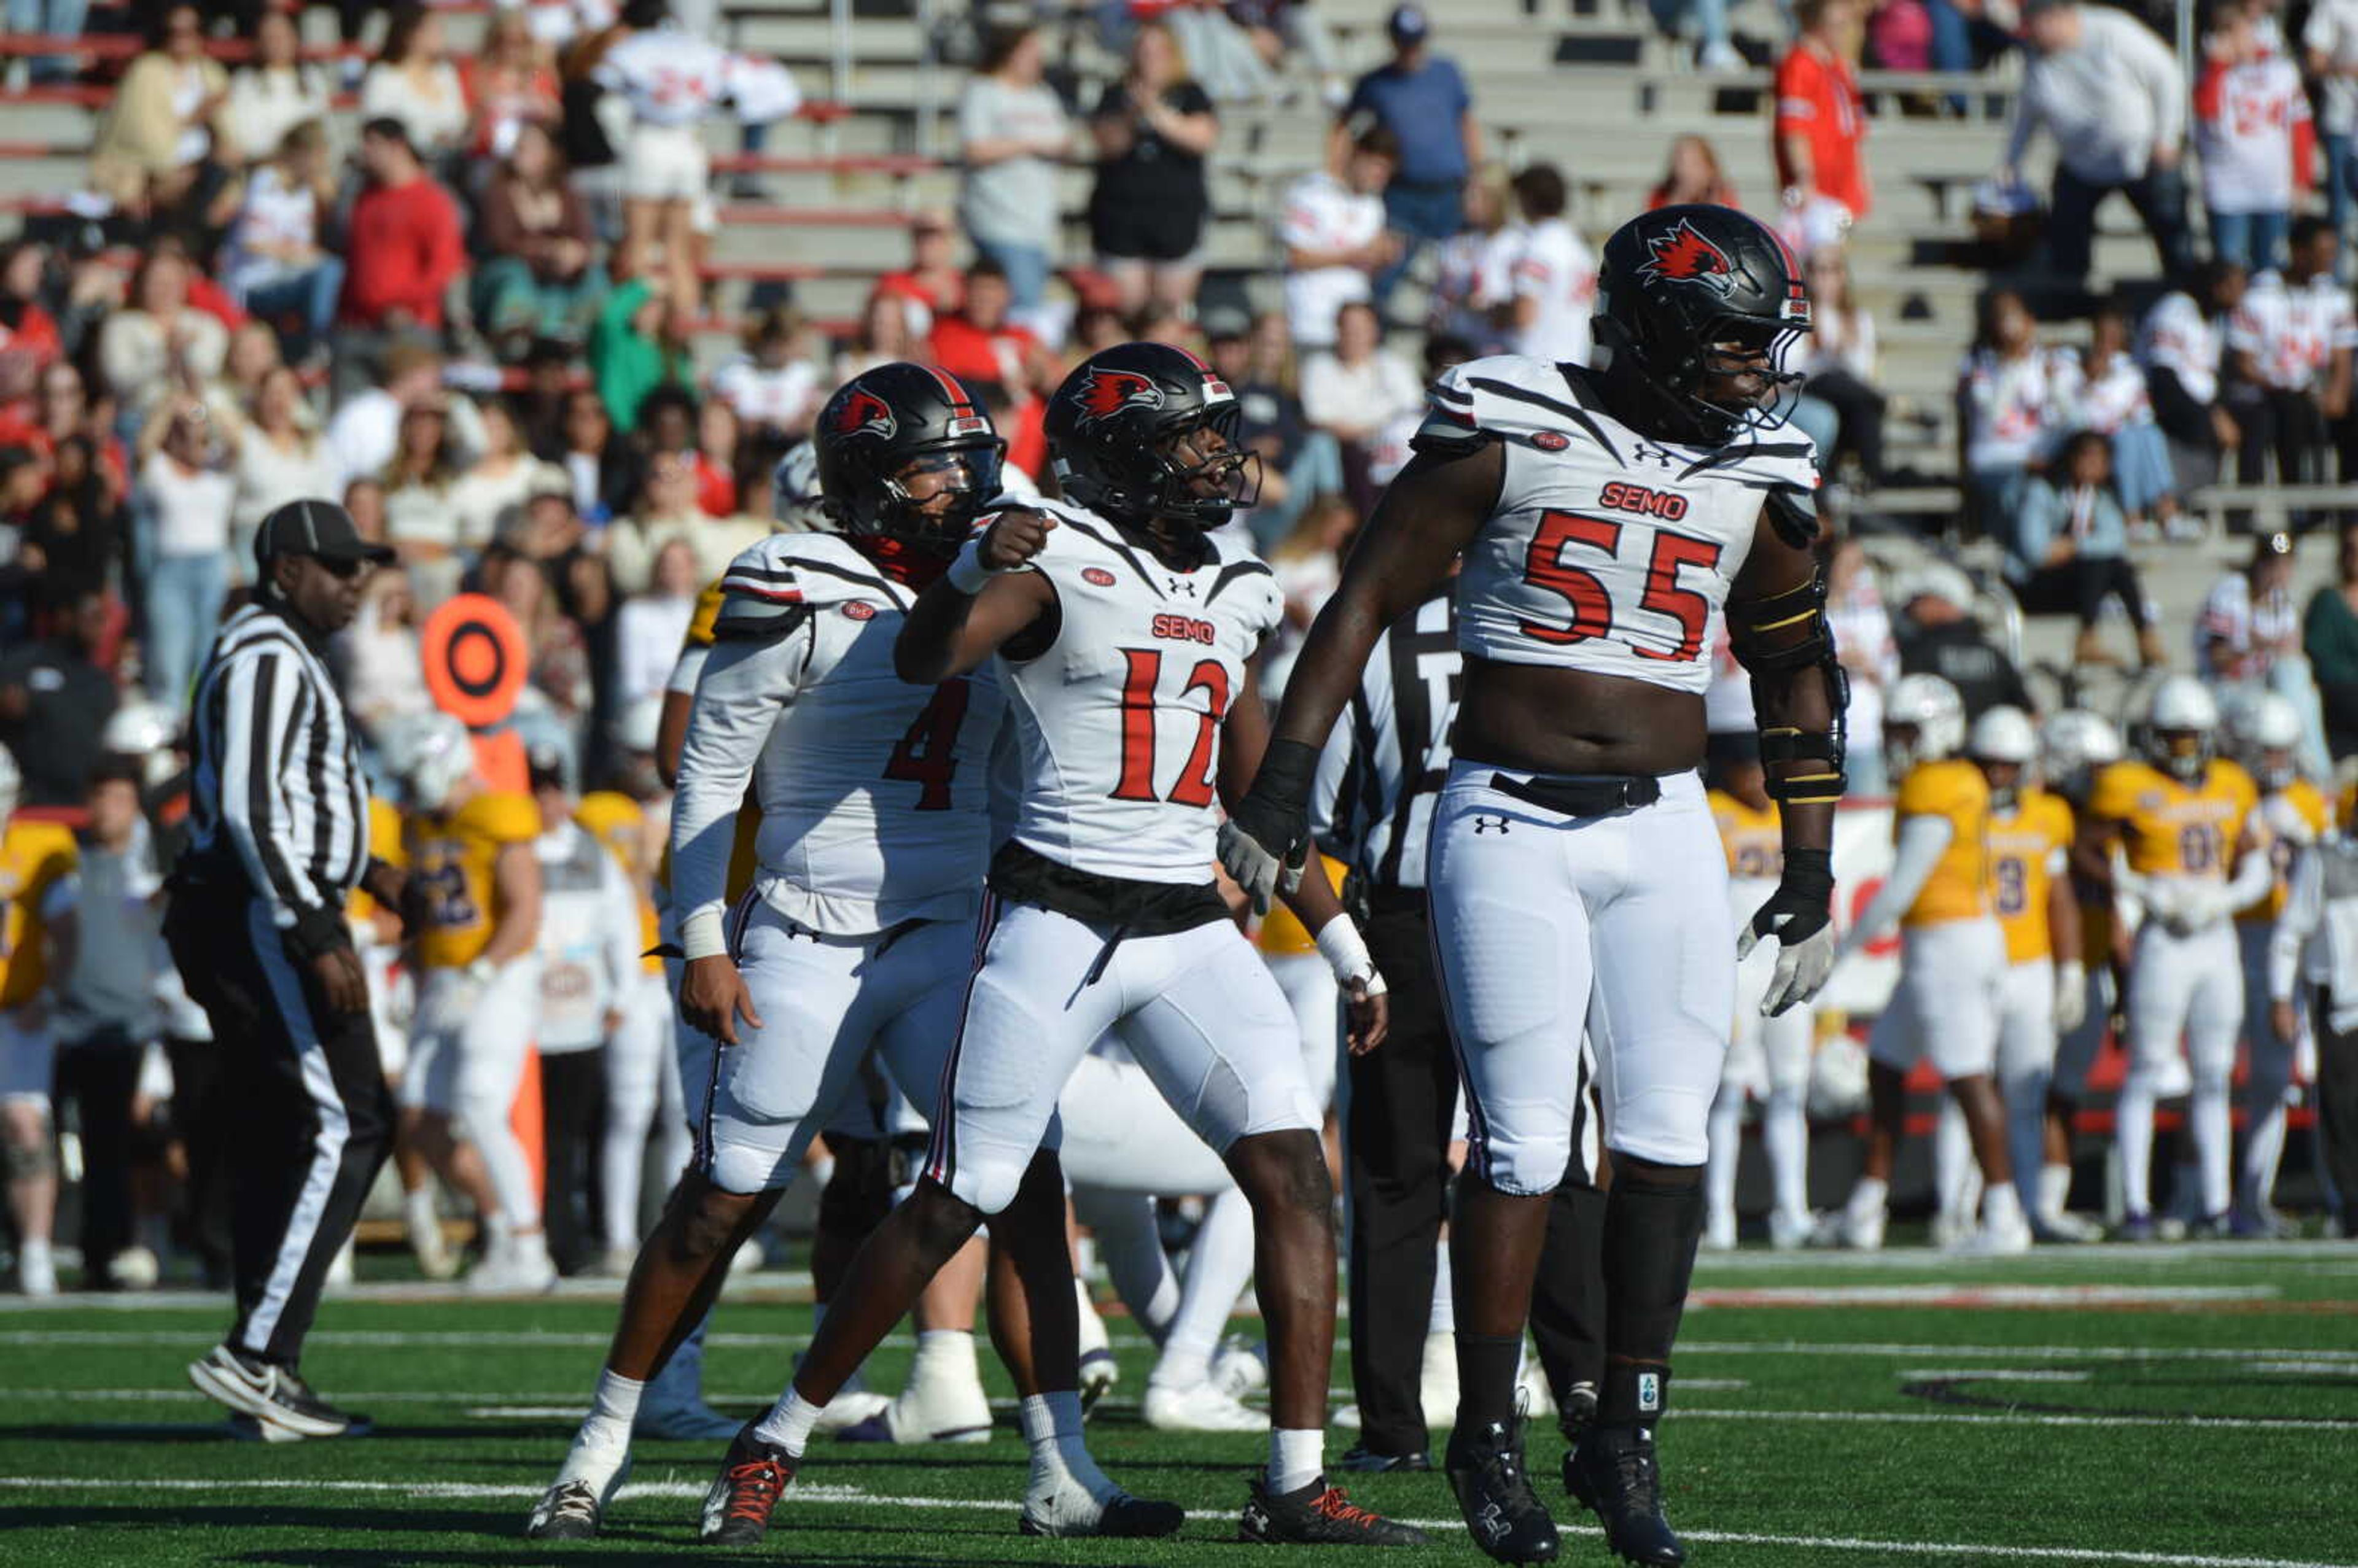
[(277, 796), (1384, 765)]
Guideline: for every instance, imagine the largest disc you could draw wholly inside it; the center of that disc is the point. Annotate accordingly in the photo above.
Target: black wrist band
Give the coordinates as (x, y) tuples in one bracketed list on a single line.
[(1288, 769), (1809, 872)]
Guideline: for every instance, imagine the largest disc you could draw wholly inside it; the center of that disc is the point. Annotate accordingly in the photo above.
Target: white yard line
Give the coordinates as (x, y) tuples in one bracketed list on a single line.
[(2002, 1418), (806, 1495), (2006, 1352), (1978, 1374)]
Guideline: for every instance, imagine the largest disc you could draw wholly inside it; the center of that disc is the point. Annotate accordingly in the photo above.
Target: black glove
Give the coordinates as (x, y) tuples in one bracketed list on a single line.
[(1265, 842), (1800, 914)]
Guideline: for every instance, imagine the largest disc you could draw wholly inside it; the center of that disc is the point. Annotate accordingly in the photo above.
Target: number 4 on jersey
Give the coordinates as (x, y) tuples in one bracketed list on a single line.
[(927, 755)]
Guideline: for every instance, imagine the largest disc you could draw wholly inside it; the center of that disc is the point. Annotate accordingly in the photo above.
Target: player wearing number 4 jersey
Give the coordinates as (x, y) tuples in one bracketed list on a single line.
[(1124, 636), (852, 936), (1605, 518)]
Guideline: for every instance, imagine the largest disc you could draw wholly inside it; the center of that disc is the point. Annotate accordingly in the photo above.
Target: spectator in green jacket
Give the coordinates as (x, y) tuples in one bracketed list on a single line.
[(640, 343), (2328, 636)]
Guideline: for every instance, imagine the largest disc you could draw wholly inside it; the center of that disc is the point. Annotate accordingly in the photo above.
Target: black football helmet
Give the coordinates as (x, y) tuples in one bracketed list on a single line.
[(1111, 426), (878, 423), (1677, 281)]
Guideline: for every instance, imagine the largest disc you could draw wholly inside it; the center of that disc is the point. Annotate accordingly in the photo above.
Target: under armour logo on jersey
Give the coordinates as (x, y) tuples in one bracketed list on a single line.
[(1486, 823), (1661, 455), (1181, 585)]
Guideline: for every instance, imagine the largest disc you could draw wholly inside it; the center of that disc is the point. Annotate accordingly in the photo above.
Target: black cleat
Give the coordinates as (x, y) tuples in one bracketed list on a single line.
[(1505, 1517), (737, 1504), (1577, 1414), (1614, 1473), (574, 1508), (1318, 1515), (281, 1404), (1366, 1461)]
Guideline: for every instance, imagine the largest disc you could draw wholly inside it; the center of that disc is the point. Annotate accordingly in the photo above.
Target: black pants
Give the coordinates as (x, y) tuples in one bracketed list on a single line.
[(2337, 1108), (2289, 424), (2082, 585), (573, 1120), (1396, 1171), (98, 1077), (201, 1122), (310, 1116)]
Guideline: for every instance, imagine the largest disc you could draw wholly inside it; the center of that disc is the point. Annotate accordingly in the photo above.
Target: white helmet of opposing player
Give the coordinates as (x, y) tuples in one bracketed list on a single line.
[(798, 508), (431, 753), (2003, 739), (1923, 721), (12, 785), (148, 731), (2074, 745), (2266, 729), (2181, 724)]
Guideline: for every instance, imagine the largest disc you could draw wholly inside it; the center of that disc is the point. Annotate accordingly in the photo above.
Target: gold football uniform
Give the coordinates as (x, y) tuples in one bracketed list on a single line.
[(2023, 844), (451, 859), (34, 857), (1959, 887)]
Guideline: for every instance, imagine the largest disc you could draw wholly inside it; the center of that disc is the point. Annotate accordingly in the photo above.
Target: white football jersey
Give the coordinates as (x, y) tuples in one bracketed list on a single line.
[(674, 78), (1117, 722), (1609, 552), (590, 936), (875, 793)]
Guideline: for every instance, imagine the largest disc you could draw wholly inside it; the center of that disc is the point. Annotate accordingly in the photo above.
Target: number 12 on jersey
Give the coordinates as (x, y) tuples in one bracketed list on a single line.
[(1139, 688)]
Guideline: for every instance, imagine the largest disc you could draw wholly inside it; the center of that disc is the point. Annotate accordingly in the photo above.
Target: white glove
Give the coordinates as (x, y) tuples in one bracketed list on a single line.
[(2070, 996)]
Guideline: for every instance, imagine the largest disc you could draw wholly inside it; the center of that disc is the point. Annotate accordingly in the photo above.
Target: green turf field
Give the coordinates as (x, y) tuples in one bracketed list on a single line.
[(2190, 1406)]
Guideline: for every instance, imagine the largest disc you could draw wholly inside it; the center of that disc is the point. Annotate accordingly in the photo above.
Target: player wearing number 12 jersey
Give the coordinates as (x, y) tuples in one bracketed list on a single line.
[(1606, 519), (1125, 636)]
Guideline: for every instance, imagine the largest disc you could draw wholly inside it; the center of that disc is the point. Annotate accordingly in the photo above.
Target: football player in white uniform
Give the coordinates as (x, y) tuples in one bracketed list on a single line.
[(1125, 633), (1606, 518), (852, 934)]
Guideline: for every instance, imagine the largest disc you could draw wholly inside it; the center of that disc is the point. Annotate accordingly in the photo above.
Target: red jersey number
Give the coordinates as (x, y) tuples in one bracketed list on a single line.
[(1593, 611), (1139, 689)]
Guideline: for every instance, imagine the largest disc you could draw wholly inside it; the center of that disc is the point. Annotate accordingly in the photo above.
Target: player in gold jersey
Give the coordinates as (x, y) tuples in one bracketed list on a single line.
[(474, 897), (1768, 1058), (2267, 734), (2046, 987), (2172, 826), (1951, 965), (34, 857)]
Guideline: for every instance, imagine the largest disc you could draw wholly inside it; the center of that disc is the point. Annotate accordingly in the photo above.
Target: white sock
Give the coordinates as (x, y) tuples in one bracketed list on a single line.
[(788, 1424), (1219, 1266), (417, 1207), (1296, 1459), (1443, 1317), (2208, 1116), (1725, 1143), (1953, 1156), (1785, 1139), (1869, 1197), (2133, 1139), (2001, 1206), (945, 1353), (612, 1408), (2054, 1190)]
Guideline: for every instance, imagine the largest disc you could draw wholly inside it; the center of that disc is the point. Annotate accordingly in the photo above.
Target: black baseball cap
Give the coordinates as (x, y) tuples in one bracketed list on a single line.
[(318, 528), (1407, 24)]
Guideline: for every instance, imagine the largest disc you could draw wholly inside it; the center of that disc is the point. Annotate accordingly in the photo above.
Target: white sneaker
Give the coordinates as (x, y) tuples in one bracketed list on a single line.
[(2066, 1228), (1241, 1367), (138, 1269), (1860, 1230), (1345, 1419), (1950, 1228), (932, 1410), (1719, 1233), (849, 1408), (1436, 1381), (2009, 1237), (1058, 1503), (1200, 1407), (1788, 1231), (516, 1266), (1099, 1371), (424, 1230), (37, 1269)]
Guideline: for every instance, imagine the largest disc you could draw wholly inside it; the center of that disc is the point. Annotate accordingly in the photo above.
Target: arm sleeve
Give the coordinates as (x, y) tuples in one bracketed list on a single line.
[(746, 685), (1922, 841), (263, 706), (2254, 868), (2303, 912)]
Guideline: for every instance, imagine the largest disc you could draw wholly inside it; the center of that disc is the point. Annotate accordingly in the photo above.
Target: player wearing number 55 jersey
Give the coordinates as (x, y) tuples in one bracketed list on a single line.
[(1606, 519), (854, 931), (2181, 819), (1125, 638)]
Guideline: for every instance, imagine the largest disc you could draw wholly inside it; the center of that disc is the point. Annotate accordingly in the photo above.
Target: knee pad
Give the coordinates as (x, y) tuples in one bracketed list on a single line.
[(743, 1171), (1519, 1165), (988, 1184)]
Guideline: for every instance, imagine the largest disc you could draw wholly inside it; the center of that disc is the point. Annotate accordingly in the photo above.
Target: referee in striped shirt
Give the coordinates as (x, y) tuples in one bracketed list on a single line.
[(278, 840), (1378, 779)]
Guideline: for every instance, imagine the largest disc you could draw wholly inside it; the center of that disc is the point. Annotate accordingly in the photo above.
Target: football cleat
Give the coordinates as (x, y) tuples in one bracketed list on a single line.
[(1505, 1517), (737, 1506), (1613, 1472), (1787, 1232), (575, 1504), (1200, 1407), (1241, 1367), (2261, 1224), (1362, 1460), (1860, 1229), (2136, 1227), (1719, 1232), (1064, 1508), (1317, 1515), (2008, 1238), (937, 1407), (513, 1266), (273, 1396), (2064, 1228), (1100, 1372)]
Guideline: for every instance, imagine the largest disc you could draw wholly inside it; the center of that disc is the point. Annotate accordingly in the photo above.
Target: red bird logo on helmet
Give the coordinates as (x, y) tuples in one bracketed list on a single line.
[(863, 413), (1683, 256), (1103, 394)]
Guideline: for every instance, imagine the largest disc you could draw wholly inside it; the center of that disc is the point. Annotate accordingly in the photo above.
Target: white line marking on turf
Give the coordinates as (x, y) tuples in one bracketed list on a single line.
[(1966, 1294), (1961, 1418), (2004, 1352), (2311, 1369), (806, 1494), (1978, 1374)]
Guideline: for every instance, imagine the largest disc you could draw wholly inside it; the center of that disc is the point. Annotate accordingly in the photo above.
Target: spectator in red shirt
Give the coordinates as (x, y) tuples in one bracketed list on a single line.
[(979, 343), (1821, 122), (931, 286), (403, 248)]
